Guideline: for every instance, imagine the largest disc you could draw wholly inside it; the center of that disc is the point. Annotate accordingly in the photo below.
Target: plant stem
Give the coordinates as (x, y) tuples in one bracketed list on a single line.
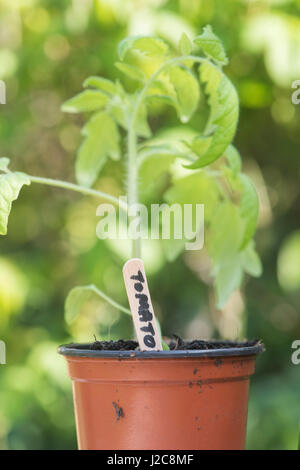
[(132, 181), (78, 189)]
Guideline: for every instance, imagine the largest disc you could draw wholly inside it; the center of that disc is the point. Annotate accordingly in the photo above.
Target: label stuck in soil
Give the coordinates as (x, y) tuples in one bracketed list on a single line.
[(141, 306)]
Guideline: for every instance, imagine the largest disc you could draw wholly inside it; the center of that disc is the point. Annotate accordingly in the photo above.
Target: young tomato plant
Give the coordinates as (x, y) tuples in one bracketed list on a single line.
[(192, 82)]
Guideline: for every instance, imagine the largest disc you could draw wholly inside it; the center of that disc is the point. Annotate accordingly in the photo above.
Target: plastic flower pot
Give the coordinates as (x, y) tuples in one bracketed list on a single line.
[(190, 400)]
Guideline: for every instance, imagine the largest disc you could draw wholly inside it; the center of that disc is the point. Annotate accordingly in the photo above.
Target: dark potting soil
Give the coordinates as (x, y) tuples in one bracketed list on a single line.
[(176, 344)]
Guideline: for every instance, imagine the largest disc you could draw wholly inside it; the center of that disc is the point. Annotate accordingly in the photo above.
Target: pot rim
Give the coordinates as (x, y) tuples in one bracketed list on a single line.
[(81, 350)]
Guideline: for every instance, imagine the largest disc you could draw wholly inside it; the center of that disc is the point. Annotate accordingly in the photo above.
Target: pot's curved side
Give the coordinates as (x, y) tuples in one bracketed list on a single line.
[(172, 403)]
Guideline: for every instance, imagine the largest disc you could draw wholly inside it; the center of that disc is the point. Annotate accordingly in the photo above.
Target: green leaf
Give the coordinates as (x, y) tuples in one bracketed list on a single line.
[(101, 84), (234, 159), (132, 72), (163, 99), (142, 126), (249, 207), (147, 45), (229, 261), (88, 100), (231, 170), (120, 106), (288, 263), (185, 45), (251, 261), (75, 300), (154, 162), (4, 163), (10, 186), (211, 46), (197, 188), (78, 296), (199, 144), (163, 91), (228, 279), (173, 248), (101, 141), (224, 111), (118, 111), (162, 86), (226, 232), (187, 90), (174, 137)]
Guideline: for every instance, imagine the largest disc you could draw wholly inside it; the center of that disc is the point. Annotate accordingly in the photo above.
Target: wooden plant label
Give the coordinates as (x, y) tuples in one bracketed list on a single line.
[(141, 306)]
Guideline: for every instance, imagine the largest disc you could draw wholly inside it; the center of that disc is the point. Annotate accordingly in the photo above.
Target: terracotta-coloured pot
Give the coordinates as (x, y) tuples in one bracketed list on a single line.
[(165, 400)]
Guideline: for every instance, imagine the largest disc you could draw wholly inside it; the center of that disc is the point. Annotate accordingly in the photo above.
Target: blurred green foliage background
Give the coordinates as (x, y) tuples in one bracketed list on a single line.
[(47, 49)]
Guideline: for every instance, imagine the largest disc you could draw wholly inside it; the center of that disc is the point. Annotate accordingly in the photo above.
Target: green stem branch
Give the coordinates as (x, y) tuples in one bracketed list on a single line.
[(109, 299), (79, 189), (132, 182)]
